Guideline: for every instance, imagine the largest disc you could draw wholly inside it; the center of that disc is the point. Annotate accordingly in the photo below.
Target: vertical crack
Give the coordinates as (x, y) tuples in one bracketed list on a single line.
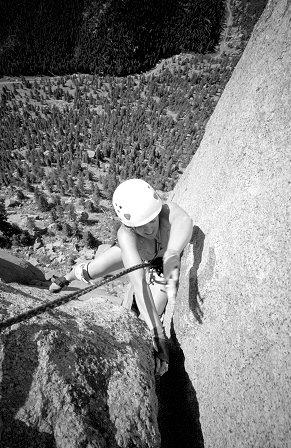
[(178, 418)]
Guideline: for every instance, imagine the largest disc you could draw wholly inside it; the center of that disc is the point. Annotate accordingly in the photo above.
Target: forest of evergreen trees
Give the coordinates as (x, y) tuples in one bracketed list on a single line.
[(147, 126), (70, 139), (103, 37)]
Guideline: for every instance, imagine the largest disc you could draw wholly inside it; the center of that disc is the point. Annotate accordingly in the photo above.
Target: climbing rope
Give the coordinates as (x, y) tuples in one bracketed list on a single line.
[(67, 298)]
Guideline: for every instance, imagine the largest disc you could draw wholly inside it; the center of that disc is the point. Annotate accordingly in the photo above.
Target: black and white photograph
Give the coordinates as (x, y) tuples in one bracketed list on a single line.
[(145, 232)]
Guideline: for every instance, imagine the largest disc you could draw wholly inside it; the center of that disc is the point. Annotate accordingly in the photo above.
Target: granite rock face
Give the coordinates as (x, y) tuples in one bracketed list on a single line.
[(80, 376), (232, 316), (14, 269)]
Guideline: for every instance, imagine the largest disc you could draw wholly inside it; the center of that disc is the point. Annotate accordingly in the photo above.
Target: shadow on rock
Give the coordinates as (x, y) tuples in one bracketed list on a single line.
[(179, 423), (195, 298)]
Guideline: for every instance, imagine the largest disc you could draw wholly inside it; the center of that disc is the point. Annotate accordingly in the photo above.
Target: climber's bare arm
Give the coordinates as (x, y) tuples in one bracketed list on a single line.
[(181, 228)]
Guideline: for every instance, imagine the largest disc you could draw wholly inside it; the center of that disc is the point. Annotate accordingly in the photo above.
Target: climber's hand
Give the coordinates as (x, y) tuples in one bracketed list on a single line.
[(172, 286), (171, 264)]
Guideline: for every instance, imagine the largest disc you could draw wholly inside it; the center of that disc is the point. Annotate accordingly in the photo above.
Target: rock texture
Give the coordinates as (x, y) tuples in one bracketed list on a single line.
[(14, 269), (79, 376), (232, 317)]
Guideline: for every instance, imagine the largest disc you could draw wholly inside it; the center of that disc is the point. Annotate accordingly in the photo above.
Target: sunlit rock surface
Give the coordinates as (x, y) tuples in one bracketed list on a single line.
[(232, 316), (80, 376)]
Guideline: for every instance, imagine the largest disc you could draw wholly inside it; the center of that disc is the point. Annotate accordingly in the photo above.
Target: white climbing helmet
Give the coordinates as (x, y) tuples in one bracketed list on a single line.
[(136, 203)]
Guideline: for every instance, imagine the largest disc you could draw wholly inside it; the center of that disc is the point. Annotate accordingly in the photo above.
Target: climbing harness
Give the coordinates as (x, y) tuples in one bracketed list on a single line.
[(62, 300)]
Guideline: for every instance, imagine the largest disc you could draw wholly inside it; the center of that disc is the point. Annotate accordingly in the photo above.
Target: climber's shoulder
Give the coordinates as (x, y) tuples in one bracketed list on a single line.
[(171, 211)]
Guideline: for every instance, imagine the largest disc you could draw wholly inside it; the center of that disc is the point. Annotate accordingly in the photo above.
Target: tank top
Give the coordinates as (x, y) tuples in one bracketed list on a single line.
[(152, 249)]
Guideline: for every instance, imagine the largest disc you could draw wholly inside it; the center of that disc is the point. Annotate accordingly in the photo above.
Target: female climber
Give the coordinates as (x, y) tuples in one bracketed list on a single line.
[(150, 231)]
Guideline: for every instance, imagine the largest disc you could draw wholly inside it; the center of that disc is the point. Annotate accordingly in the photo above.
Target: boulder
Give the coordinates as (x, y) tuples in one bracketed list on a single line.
[(58, 243), (86, 254), (91, 154), (40, 225), (232, 316), (49, 273), (49, 247), (37, 244), (52, 227), (33, 261), (14, 269), (82, 376), (103, 248), (12, 202)]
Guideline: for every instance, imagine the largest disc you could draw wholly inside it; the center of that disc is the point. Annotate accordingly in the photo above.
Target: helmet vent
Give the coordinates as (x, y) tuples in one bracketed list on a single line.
[(127, 216)]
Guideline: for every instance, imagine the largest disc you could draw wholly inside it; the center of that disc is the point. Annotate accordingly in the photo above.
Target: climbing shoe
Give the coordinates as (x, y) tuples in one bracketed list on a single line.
[(160, 344), (161, 350), (58, 283)]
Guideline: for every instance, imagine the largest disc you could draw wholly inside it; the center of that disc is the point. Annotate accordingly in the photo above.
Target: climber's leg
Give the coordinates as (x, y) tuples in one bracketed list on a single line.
[(104, 263), (159, 294)]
